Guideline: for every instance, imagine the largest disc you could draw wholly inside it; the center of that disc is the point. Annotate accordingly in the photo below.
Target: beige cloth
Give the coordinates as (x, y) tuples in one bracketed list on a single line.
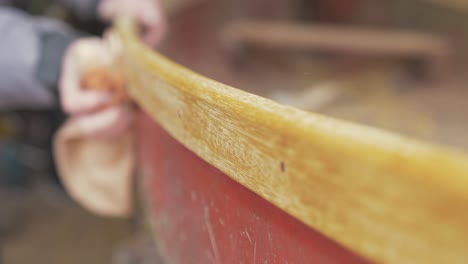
[(97, 173)]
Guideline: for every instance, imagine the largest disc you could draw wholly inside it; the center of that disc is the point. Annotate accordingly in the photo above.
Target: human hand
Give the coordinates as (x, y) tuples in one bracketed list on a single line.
[(99, 109), (147, 13)]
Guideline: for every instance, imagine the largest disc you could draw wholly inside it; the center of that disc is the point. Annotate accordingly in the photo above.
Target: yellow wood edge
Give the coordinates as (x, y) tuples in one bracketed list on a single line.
[(386, 197)]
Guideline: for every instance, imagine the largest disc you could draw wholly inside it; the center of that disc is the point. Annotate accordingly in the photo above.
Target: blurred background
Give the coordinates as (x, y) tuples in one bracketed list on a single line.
[(399, 65)]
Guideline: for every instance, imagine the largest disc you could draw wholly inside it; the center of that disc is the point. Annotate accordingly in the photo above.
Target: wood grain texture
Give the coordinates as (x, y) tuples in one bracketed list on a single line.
[(386, 197)]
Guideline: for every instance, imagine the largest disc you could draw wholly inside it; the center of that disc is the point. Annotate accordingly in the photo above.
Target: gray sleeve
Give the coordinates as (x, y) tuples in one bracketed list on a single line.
[(31, 51), (84, 9)]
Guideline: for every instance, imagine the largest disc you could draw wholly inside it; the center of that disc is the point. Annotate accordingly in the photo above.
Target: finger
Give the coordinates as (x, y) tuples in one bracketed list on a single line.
[(107, 9), (154, 25), (68, 83), (89, 101), (107, 123), (76, 102), (93, 54), (73, 97), (113, 44)]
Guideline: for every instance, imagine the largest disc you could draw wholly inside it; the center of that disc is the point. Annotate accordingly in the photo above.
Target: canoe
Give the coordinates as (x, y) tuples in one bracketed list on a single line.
[(231, 177)]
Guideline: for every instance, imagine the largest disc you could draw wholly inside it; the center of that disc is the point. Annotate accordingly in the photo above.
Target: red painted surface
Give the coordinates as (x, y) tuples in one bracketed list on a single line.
[(203, 216)]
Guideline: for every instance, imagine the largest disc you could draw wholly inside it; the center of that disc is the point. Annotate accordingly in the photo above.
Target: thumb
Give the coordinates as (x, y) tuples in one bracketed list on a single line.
[(155, 27)]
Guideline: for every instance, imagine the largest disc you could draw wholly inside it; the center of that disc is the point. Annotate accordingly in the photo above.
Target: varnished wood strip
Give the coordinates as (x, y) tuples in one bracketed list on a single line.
[(386, 197)]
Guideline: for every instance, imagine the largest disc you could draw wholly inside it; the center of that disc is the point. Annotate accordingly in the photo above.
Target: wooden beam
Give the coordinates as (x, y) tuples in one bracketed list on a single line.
[(453, 4), (334, 38), (386, 197), (174, 6)]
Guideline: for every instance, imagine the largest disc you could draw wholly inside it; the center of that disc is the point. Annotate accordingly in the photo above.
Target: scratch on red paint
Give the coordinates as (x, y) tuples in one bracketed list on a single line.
[(211, 234), (248, 235), (255, 253)]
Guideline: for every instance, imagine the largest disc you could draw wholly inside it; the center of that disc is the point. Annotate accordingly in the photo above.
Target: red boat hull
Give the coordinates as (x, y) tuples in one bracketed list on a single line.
[(200, 215)]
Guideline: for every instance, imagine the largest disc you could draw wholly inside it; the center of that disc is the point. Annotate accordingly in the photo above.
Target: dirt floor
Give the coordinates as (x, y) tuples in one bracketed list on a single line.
[(42, 225)]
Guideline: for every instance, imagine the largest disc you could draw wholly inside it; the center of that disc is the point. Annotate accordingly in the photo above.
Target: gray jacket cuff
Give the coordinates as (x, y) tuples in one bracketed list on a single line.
[(31, 54), (53, 45)]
